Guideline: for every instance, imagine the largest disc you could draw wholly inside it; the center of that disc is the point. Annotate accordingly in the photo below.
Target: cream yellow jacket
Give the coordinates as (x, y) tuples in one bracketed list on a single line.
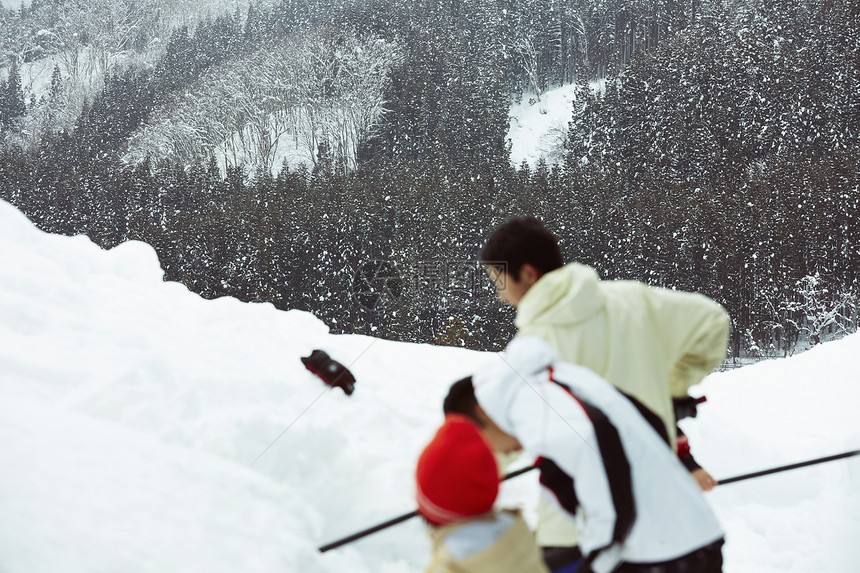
[(498, 542), (651, 343)]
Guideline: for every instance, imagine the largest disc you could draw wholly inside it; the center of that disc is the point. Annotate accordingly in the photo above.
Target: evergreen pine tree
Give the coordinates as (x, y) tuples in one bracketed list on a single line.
[(12, 103), (56, 83)]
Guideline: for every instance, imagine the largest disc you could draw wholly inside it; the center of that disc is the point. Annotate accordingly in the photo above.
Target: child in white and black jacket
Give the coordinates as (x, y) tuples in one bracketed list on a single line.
[(637, 508)]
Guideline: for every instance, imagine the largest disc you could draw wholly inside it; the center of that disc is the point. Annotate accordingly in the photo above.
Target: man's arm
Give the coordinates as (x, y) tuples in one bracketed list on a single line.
[(700, 474), (694, 333)]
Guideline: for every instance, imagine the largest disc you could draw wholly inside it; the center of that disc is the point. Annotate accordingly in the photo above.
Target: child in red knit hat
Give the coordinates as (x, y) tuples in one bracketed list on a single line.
[(458, 481)]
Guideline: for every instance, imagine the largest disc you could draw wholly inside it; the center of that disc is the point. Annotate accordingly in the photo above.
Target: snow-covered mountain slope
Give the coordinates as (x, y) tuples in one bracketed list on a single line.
[(143, 428), (538, 128)]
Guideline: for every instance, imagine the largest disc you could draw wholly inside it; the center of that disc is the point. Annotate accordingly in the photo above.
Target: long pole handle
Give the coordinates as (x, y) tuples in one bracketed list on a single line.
[(410, 515), (399, 519), (368, 531), (788, 467)]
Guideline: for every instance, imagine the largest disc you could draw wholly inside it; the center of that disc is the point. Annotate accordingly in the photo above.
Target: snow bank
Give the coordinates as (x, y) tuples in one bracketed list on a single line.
[(776, 413), (133, 411), (143, 428)]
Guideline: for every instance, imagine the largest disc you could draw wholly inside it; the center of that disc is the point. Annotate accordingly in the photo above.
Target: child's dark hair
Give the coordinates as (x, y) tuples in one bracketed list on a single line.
[(519, 241), (461, 400)]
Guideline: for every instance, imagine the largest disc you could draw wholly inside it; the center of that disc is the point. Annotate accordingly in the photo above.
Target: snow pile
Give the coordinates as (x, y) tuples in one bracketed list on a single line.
[(776, 413), (143, 428), (136, 422)]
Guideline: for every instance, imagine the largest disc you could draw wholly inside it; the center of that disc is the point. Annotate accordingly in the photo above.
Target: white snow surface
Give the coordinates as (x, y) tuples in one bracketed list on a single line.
[(145, 429), (537, 128)]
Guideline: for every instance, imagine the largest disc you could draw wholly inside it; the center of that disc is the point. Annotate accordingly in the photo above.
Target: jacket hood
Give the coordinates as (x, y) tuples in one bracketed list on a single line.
[(497, 384), (567, 295)]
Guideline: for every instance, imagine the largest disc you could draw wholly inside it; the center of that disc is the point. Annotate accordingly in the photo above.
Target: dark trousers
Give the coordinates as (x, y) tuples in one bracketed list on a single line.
[(556, 558), (708, 559)]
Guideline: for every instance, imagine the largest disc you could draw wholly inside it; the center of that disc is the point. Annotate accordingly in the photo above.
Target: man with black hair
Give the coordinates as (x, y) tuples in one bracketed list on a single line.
[(651, 343), (603, 467)]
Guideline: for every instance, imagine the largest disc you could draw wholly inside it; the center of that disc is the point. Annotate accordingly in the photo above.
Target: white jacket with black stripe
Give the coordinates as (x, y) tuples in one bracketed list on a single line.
[(604, 465)]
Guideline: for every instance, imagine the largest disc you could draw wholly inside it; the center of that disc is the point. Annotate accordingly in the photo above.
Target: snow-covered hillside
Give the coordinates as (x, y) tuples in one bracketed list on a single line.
[(143, 428), (85, 42), (538, 129)]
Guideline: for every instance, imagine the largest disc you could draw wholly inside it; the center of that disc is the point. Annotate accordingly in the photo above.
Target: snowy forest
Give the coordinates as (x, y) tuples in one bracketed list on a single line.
[(349, 157)]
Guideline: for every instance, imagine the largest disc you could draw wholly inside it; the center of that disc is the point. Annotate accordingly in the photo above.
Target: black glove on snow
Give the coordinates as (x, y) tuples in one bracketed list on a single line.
[(686, 407), (330, 371)]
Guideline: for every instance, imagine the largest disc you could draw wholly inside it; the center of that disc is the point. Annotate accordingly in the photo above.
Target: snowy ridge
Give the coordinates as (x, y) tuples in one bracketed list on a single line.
[(143, 428)]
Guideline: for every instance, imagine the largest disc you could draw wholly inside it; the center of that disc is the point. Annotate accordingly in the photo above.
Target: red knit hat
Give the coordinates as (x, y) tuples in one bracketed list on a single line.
[(457, 474)]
